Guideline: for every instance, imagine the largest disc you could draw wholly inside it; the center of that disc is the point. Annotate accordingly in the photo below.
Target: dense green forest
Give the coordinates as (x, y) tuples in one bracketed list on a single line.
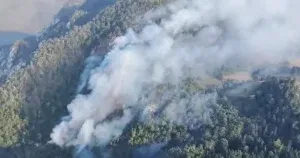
[(262, 122), (35, 97)]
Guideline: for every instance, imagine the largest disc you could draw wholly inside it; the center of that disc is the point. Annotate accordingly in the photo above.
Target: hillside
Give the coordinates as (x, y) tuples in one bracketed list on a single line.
[(154, 78), (60, 61), (19, 54)]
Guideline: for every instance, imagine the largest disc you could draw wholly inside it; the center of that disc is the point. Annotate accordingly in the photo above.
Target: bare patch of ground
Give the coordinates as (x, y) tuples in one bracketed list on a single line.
[(294, 62), (210, 81), (239, 76)]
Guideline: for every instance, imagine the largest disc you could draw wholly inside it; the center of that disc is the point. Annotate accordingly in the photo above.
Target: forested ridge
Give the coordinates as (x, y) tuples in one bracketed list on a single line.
[(39, 92), (262, 121)]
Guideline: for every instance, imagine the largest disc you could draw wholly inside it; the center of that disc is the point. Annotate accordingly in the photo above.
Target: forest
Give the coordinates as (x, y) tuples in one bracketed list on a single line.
[(255, 118)]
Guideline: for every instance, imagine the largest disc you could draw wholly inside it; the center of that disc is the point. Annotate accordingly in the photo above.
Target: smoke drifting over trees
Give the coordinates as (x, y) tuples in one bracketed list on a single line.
[(156, 78), (192, 39)]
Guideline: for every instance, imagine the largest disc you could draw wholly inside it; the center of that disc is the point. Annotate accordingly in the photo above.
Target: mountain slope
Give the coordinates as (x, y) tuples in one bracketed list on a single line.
[(159, 92), (19, 54), (38, 92)]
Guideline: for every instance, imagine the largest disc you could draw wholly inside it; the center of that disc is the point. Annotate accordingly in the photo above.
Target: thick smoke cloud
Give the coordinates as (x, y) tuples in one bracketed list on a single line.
[(91, 62), (193, 38)]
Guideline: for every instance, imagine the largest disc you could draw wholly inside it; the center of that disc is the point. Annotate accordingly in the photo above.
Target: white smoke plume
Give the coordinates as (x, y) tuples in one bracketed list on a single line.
[(91, 63), (194, 37), (83, 152)]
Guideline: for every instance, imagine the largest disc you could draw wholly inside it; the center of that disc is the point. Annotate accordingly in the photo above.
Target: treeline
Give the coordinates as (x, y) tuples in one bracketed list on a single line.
[(263, 123), (279, 71), (34, 99)]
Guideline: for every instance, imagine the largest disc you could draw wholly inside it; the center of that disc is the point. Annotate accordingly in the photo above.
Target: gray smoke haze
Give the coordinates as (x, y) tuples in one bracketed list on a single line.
[(194, 38), (83, 152), (27, 16), (91, 63)]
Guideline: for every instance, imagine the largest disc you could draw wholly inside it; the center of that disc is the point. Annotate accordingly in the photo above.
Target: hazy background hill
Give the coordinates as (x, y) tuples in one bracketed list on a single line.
[(20, 18), (181, 82), (10, 36), (28, 16)]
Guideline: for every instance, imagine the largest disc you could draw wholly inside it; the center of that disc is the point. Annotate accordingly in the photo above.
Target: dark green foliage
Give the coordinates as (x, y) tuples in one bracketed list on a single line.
[(149, 134), (263, 123), (269, 130), (34, 99)]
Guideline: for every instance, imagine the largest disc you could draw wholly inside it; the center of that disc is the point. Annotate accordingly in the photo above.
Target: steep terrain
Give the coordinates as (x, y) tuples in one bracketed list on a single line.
[(20, 53), (153, 78), (37, 93)]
